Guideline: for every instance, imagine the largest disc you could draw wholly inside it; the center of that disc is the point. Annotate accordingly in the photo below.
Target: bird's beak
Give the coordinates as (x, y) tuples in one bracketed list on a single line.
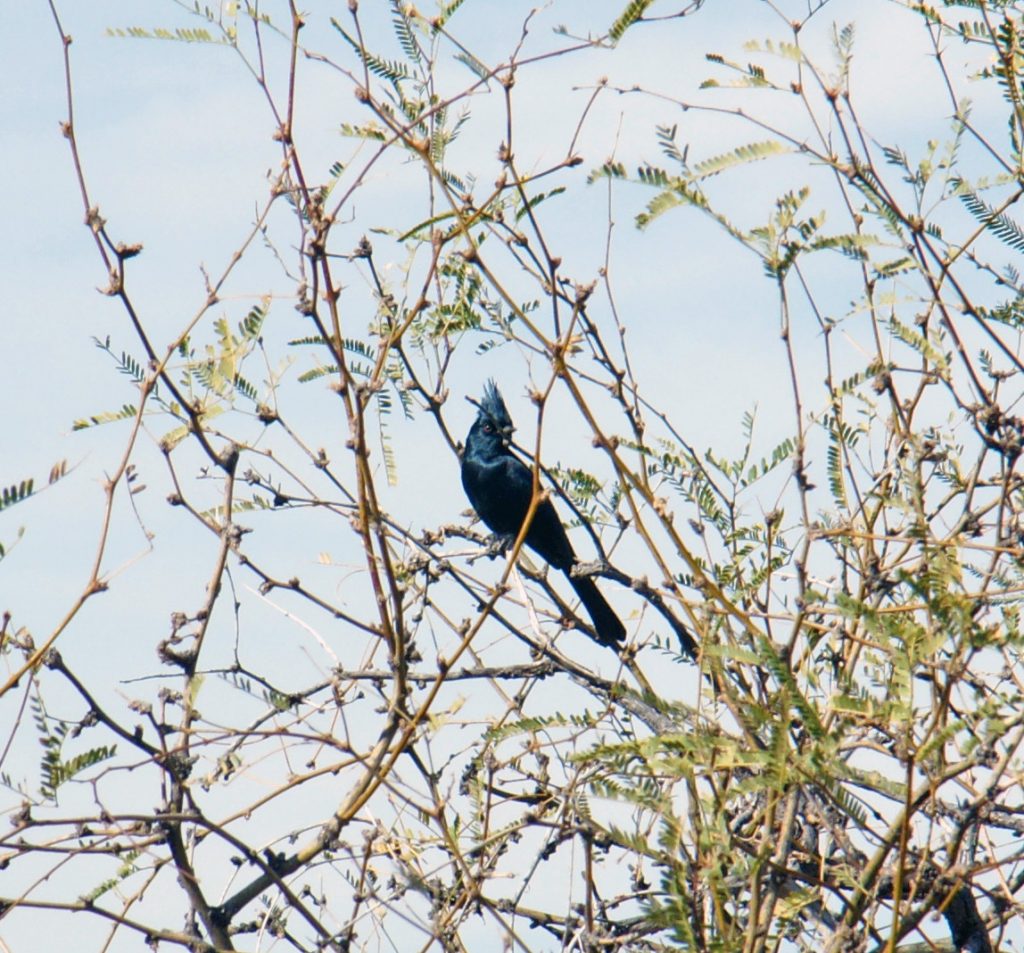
[(506, 435)]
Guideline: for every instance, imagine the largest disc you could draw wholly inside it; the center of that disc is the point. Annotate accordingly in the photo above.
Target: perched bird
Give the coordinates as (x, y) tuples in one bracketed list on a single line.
[(500, 487)]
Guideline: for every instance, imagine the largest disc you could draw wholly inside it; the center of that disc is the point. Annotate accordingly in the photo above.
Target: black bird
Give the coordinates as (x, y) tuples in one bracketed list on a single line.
[(500, 487)]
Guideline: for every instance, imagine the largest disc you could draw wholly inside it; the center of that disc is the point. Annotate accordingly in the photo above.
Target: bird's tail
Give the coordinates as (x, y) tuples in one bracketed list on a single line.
[(609, 627)]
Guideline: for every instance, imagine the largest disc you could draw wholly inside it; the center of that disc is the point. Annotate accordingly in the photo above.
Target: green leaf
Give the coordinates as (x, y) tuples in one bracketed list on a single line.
[(391, 70), (178, 34), (998, 223), (631, 14), (366, 131), (127, 411), (16, 493)]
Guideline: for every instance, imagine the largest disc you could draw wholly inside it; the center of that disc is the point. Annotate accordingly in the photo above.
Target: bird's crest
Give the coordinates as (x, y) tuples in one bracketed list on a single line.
[(494, 407)]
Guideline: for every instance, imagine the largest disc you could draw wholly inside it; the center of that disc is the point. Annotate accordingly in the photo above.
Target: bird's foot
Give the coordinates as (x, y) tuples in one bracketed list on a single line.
[(499, 544), (495, 545), (596, 567)]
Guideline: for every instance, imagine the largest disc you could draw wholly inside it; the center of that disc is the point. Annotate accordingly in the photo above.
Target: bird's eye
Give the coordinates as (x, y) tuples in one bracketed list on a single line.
[(488, 428)]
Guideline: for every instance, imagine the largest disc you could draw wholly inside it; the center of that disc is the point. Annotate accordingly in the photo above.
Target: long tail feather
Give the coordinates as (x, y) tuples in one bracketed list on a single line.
[(609, 627)]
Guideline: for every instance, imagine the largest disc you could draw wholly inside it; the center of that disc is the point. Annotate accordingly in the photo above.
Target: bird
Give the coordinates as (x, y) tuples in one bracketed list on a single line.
[(500, 488)]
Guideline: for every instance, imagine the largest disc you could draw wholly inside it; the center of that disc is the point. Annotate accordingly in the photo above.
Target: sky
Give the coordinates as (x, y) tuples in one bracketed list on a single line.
[(176, 143)]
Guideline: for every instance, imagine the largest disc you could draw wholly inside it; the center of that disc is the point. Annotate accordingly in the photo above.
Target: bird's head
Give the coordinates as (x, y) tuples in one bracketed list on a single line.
[(493, 422)]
